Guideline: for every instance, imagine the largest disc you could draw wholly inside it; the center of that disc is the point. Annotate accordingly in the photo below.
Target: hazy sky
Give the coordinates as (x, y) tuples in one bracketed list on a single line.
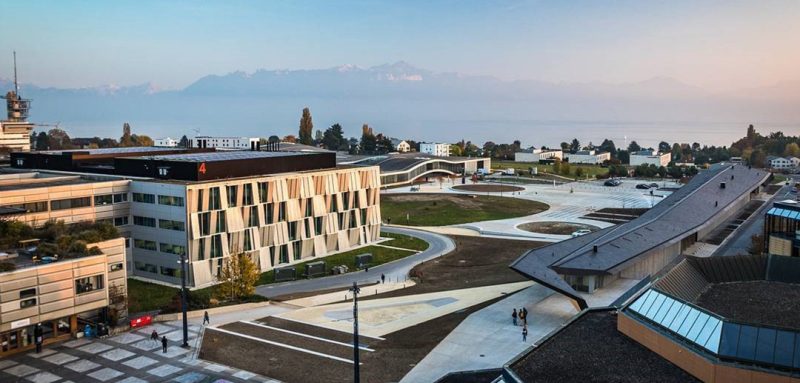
[(718, 45)]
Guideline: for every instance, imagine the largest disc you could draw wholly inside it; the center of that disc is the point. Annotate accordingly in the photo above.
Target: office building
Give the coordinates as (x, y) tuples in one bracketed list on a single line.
[(538, 155), (278, 208), (587, 157), (166, 142), (400, 146), (406, 168), (241, 143), (435, 149), (15, 130), (58, 295), (782, 229), (650, 157)]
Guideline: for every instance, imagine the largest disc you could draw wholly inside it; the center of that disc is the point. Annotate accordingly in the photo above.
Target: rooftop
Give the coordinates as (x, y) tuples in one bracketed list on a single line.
[(220, 156), (745, 302), (121, 150), (590, 349)]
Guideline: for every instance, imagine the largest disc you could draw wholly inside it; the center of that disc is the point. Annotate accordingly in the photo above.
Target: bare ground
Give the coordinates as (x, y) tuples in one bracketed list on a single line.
[(562, 228)]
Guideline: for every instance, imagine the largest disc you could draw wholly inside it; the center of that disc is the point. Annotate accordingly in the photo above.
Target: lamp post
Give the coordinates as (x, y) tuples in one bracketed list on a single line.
[(356, 373), (183, 301)]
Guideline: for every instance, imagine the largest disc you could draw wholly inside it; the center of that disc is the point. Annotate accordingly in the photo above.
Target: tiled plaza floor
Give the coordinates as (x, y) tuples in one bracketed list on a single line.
[(124, 358)]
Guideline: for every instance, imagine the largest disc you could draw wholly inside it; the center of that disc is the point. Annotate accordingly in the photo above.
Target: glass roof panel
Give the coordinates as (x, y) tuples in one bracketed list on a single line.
[(713, 341), (729, 342), (637, 304), (672, 314), (747, 342), (660, 298), (784, 348), (765, 345), (659, 316), (698, 325), (687, 324), (705, 333), (680, 318)]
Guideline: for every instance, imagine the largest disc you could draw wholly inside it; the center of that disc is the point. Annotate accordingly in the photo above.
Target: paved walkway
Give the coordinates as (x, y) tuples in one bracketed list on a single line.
[(124, 358), (396, 271)]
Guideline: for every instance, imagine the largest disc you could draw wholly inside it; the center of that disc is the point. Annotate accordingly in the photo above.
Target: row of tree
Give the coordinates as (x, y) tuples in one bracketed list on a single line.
[(58, 139)]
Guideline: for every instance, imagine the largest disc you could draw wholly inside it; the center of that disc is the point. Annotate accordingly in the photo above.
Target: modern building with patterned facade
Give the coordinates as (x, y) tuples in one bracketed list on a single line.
[(279, 208), (782, 229)]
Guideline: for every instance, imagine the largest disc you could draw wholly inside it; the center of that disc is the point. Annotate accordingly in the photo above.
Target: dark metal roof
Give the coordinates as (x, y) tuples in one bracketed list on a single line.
[(121, 150), (221, 156)]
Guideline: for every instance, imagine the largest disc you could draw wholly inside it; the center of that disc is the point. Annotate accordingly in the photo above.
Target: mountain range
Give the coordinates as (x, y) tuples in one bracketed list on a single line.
[(408, 102)]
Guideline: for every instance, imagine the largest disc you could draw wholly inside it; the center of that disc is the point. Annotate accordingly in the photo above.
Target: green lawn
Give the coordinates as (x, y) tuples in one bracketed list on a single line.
[(591, 170), (450, 209), (404, 241), (143, 296), (380, 255)]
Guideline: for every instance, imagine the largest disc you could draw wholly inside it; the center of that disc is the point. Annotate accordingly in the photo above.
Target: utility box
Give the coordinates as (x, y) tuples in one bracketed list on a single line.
[(363, 260), (284, 274), (314, 269)]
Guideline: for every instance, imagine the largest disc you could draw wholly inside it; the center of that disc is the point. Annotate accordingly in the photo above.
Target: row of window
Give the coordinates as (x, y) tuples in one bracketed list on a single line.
[(164, 247), (70, 203), (82, 285), (166, 224), (214, 200), (162, 199), (151, 268), (116, 221)]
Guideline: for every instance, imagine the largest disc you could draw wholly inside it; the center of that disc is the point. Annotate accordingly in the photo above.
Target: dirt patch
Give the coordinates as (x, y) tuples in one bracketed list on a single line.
[(561, 228), (746, 302), (440, 209), (489, 188), (476, 261), (462, 201)]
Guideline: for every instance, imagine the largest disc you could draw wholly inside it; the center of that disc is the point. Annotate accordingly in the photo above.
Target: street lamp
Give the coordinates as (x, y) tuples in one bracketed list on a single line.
[(356, 373), (183, 301)]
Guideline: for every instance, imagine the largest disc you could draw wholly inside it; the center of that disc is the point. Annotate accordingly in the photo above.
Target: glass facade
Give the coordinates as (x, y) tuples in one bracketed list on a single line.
[(760, 345)]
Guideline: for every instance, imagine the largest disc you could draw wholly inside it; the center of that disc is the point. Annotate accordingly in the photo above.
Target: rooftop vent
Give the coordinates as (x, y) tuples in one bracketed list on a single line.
[(594, 248), (722, 185), (731, 176)]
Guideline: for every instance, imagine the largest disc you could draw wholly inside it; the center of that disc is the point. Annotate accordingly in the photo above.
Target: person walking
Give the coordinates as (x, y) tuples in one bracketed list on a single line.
[(154, 336), (164, 344), (524, 333), (383, 278), (206, 320), (514, 316)]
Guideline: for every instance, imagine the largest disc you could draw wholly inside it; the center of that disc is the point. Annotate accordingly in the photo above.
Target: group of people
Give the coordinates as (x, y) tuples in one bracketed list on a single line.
[(164, 341), (522, 315)]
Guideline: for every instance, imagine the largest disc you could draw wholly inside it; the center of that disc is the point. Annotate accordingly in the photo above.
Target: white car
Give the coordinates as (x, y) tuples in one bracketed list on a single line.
[(580, 232)]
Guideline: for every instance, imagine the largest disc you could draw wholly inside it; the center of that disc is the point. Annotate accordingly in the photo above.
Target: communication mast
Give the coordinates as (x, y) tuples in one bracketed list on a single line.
[(16, 106)]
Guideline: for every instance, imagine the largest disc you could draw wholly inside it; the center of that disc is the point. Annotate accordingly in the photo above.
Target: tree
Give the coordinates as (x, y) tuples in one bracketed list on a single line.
[(758, 158), (565, 169), (634, 147), (575, 145), (456, 150), (184, 142), (42, 141), (792, 150), (142, 140), (368, 141), (306, 128), (238, 277), (126, 140), (290, 138), (273, 139), (565, 146), (664, 147), (578, 172), (333, 138), (608, 146), (317, 137), (58, 139), (623, 156)]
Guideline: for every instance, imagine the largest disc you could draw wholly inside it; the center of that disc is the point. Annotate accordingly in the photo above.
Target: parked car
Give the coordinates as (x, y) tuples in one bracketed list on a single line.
[(643, 186), (653, 185), (580, 232), (612, 182), (509, 172)]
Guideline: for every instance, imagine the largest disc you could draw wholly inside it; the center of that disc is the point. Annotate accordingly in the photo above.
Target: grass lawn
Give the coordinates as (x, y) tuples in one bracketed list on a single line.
[(143, 296), (779, 178), (404, 241), (591, 170), (450, 209), (380, 255)]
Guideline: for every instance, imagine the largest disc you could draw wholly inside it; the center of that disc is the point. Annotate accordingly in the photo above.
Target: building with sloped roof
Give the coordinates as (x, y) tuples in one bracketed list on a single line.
[(642, 247)]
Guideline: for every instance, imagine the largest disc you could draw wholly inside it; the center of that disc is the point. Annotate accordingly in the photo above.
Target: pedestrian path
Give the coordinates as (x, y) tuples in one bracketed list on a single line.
[(130, 357)]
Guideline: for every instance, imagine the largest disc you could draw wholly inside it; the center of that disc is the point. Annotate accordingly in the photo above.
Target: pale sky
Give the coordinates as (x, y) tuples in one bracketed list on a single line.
[(717, 45)]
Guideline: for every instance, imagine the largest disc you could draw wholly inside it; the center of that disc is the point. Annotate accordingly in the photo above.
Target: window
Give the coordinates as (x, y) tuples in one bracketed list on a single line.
[(292, 231), (144, 244), (120, 197), (105, 199), (204, 220), (27, 303), (334, 204), (283, 256), (30, 207), (170, 200), (163, 171), (88, 284), (231, 195), (172, 249), (221, 223), (115, 267), (281, 211), (121, 221), (144, 198), (71, 203), (318, 225), (309, 205), (105, 221), (269, 213), (247, 194), (169, 224), (144, 221), (253, 219), (263, 191), (214, 202), (199, 199), (297, 250), (27, 293), (169, 272), (146, 267), (216, 246)]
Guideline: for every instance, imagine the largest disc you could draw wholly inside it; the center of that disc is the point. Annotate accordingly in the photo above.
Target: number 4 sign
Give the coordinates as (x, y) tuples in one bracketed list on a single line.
[(202, 168)]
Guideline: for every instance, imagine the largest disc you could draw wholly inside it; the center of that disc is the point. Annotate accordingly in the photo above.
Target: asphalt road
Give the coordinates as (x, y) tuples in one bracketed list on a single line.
[(397, 270), (754, 225)]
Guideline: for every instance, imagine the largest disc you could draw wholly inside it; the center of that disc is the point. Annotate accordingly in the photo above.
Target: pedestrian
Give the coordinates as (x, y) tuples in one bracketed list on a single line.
[(366, 269), (514, 316), (525, 310), (164, 344), (154, 336), (383, 278), (524, 333), (206, 320)]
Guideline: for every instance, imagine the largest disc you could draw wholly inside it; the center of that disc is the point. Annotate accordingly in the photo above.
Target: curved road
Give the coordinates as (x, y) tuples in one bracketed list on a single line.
[(396, 270)]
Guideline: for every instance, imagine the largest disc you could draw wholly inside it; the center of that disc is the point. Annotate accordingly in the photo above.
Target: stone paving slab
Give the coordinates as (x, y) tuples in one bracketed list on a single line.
[(82, 365), (164, 370), (147, 345), (77, 342), (127, 338), (159, 327), (191, 377), (140, 362), (45, 352), (106, 374), (43, 377), (94, 348), (6, 363), (117, 354), (21, 370), (132, 379), (216, 367), (177, 336), (171, 352), (60, 358)]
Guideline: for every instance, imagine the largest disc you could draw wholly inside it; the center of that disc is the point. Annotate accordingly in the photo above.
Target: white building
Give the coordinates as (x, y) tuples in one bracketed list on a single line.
[(650, 157), (434, 149), (536, 155), (248, 143), (400, 146), (795, 161), (587, 157), (779, 162), (166, 142)]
